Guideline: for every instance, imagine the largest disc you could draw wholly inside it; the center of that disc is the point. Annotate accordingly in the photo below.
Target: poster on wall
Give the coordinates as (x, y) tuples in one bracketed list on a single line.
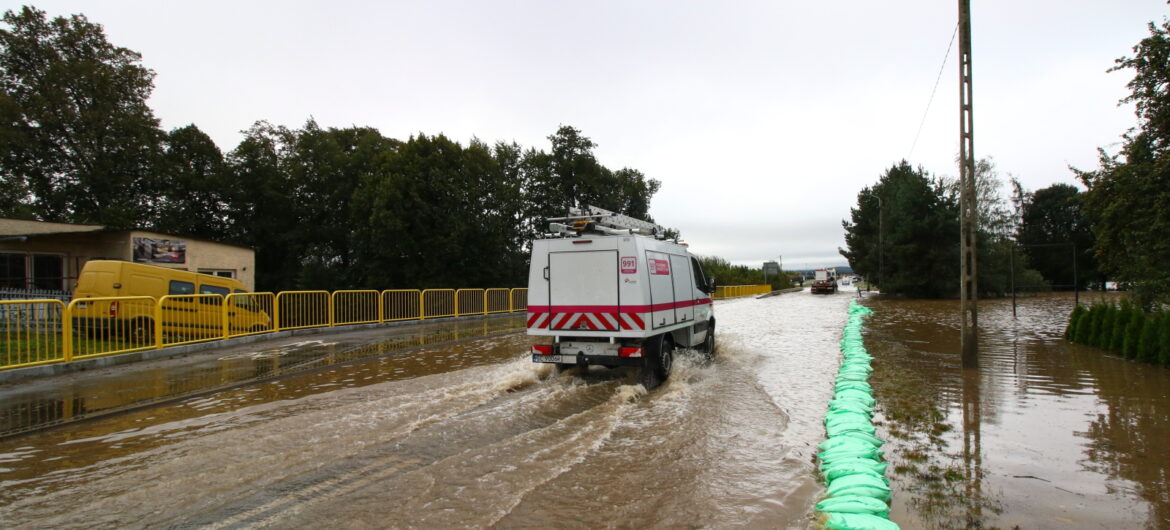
[(152, 250)]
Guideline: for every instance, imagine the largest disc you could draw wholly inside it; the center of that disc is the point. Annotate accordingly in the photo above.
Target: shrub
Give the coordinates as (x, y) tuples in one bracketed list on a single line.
[(1133, 332), (1121, 319), (1104, 335), (1164, 340), (1085, 328), (1147, 350), (1074, 321)]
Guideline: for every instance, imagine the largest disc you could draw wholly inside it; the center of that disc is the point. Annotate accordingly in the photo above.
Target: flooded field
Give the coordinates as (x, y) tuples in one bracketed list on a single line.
[(1046, 434), (426, 438)]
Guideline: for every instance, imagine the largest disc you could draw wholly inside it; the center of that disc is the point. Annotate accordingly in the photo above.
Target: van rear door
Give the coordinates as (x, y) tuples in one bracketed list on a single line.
[(583, 290), (661, 289)]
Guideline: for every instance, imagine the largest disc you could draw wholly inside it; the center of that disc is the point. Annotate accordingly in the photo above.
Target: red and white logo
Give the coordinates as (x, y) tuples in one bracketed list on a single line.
[(659, 267), (629, 264)]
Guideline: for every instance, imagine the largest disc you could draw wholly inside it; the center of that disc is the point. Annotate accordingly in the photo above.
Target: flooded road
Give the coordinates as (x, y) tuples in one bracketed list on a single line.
[(426, 438), (1046, 434)]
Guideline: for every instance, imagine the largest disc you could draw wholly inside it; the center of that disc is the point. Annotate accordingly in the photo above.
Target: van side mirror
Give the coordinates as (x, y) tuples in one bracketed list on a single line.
[(710, 285)]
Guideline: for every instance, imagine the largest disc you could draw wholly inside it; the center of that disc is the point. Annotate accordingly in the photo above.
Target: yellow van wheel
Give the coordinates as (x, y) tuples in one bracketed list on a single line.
[(141, 331)]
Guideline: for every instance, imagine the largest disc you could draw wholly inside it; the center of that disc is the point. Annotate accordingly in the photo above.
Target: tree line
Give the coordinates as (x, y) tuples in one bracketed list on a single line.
[(1114, 230), (727, 274), (324, 208)]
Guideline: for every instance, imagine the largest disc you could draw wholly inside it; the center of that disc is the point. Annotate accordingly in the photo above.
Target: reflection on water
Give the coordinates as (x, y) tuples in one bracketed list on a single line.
[(31, 405), (1045, 433)]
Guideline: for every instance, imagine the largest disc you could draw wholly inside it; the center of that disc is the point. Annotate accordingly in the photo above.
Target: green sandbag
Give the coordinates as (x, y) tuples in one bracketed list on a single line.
[(852, 377), (851, 467), (849, 405), (853, 504), (855, 385), (859, 395), (845, 417), (858, 521), (867, 438), (837, 429), (861, 450), (855, 369), (878, 468), (859, 484), (858, 309), (843, 441)]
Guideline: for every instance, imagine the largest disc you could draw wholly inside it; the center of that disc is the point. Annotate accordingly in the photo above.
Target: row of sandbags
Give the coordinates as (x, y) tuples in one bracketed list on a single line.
[(857, 491)]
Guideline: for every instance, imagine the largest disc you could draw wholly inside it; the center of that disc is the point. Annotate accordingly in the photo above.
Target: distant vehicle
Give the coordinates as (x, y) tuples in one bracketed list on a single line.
[(185, 313), (610, 290), (825, 282)]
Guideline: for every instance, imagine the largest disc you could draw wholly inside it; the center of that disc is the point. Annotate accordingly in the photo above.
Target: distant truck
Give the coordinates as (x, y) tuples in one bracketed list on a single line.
[(825, 281), (609, 290)]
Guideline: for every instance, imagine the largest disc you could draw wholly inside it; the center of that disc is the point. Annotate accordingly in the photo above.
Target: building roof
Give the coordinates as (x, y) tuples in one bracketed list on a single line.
[(20, 229)]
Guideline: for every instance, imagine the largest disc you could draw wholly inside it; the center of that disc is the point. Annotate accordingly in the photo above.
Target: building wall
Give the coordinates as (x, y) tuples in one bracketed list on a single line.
[(76, 248), (203, 256)]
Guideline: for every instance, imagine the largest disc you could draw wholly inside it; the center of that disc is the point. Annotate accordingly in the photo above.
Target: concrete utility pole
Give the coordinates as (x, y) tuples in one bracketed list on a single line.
[(968, 204)]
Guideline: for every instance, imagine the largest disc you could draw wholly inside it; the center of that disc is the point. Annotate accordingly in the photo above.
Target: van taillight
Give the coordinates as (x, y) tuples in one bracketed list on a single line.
[(542, 349), (630, 351), (114, 308)]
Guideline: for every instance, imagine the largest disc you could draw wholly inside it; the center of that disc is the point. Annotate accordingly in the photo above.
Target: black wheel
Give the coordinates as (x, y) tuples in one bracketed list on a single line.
[(141, 331), (708, 347), (658, 360)]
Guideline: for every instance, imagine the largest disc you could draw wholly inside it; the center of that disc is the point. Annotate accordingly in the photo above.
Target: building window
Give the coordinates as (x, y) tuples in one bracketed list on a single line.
[(222, 273), (19, 270), (48, 272), (12, 271)]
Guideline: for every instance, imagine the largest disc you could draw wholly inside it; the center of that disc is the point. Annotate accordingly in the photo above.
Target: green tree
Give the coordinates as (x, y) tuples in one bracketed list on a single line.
[(1127, 195), (262, 208), (570, 176), (191, 195), (1052, 216), (323, 170), (80, 141), (919, 224)]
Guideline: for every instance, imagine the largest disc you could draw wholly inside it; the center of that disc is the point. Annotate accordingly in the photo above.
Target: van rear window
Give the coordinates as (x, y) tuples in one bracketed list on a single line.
[(178, 287)]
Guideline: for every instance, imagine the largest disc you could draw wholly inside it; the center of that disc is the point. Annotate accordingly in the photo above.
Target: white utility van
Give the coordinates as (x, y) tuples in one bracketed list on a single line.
[(609, 290)]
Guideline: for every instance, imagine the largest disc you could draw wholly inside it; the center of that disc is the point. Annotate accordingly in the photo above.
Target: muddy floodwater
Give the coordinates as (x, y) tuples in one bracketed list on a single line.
[(423, 439), (1045, 434), (449, 425)]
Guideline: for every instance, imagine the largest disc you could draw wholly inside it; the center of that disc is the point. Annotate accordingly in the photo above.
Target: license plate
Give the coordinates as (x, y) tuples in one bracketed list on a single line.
[(539, 358)]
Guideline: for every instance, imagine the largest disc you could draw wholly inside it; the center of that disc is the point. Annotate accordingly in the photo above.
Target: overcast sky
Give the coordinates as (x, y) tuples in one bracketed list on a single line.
[(763, 120)]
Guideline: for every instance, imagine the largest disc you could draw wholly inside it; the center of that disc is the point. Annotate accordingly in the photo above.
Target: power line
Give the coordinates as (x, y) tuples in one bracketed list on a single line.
[(932, 91)]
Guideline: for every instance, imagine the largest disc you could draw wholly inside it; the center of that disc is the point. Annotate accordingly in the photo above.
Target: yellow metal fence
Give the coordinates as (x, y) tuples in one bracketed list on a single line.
[(735, 291), (49, 331)]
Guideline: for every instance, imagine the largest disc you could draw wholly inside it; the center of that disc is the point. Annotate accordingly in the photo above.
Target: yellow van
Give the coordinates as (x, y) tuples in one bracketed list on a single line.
[(193, 306)]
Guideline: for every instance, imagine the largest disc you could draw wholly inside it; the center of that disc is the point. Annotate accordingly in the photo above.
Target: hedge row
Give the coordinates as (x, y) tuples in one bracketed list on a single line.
[(1123, 329)]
